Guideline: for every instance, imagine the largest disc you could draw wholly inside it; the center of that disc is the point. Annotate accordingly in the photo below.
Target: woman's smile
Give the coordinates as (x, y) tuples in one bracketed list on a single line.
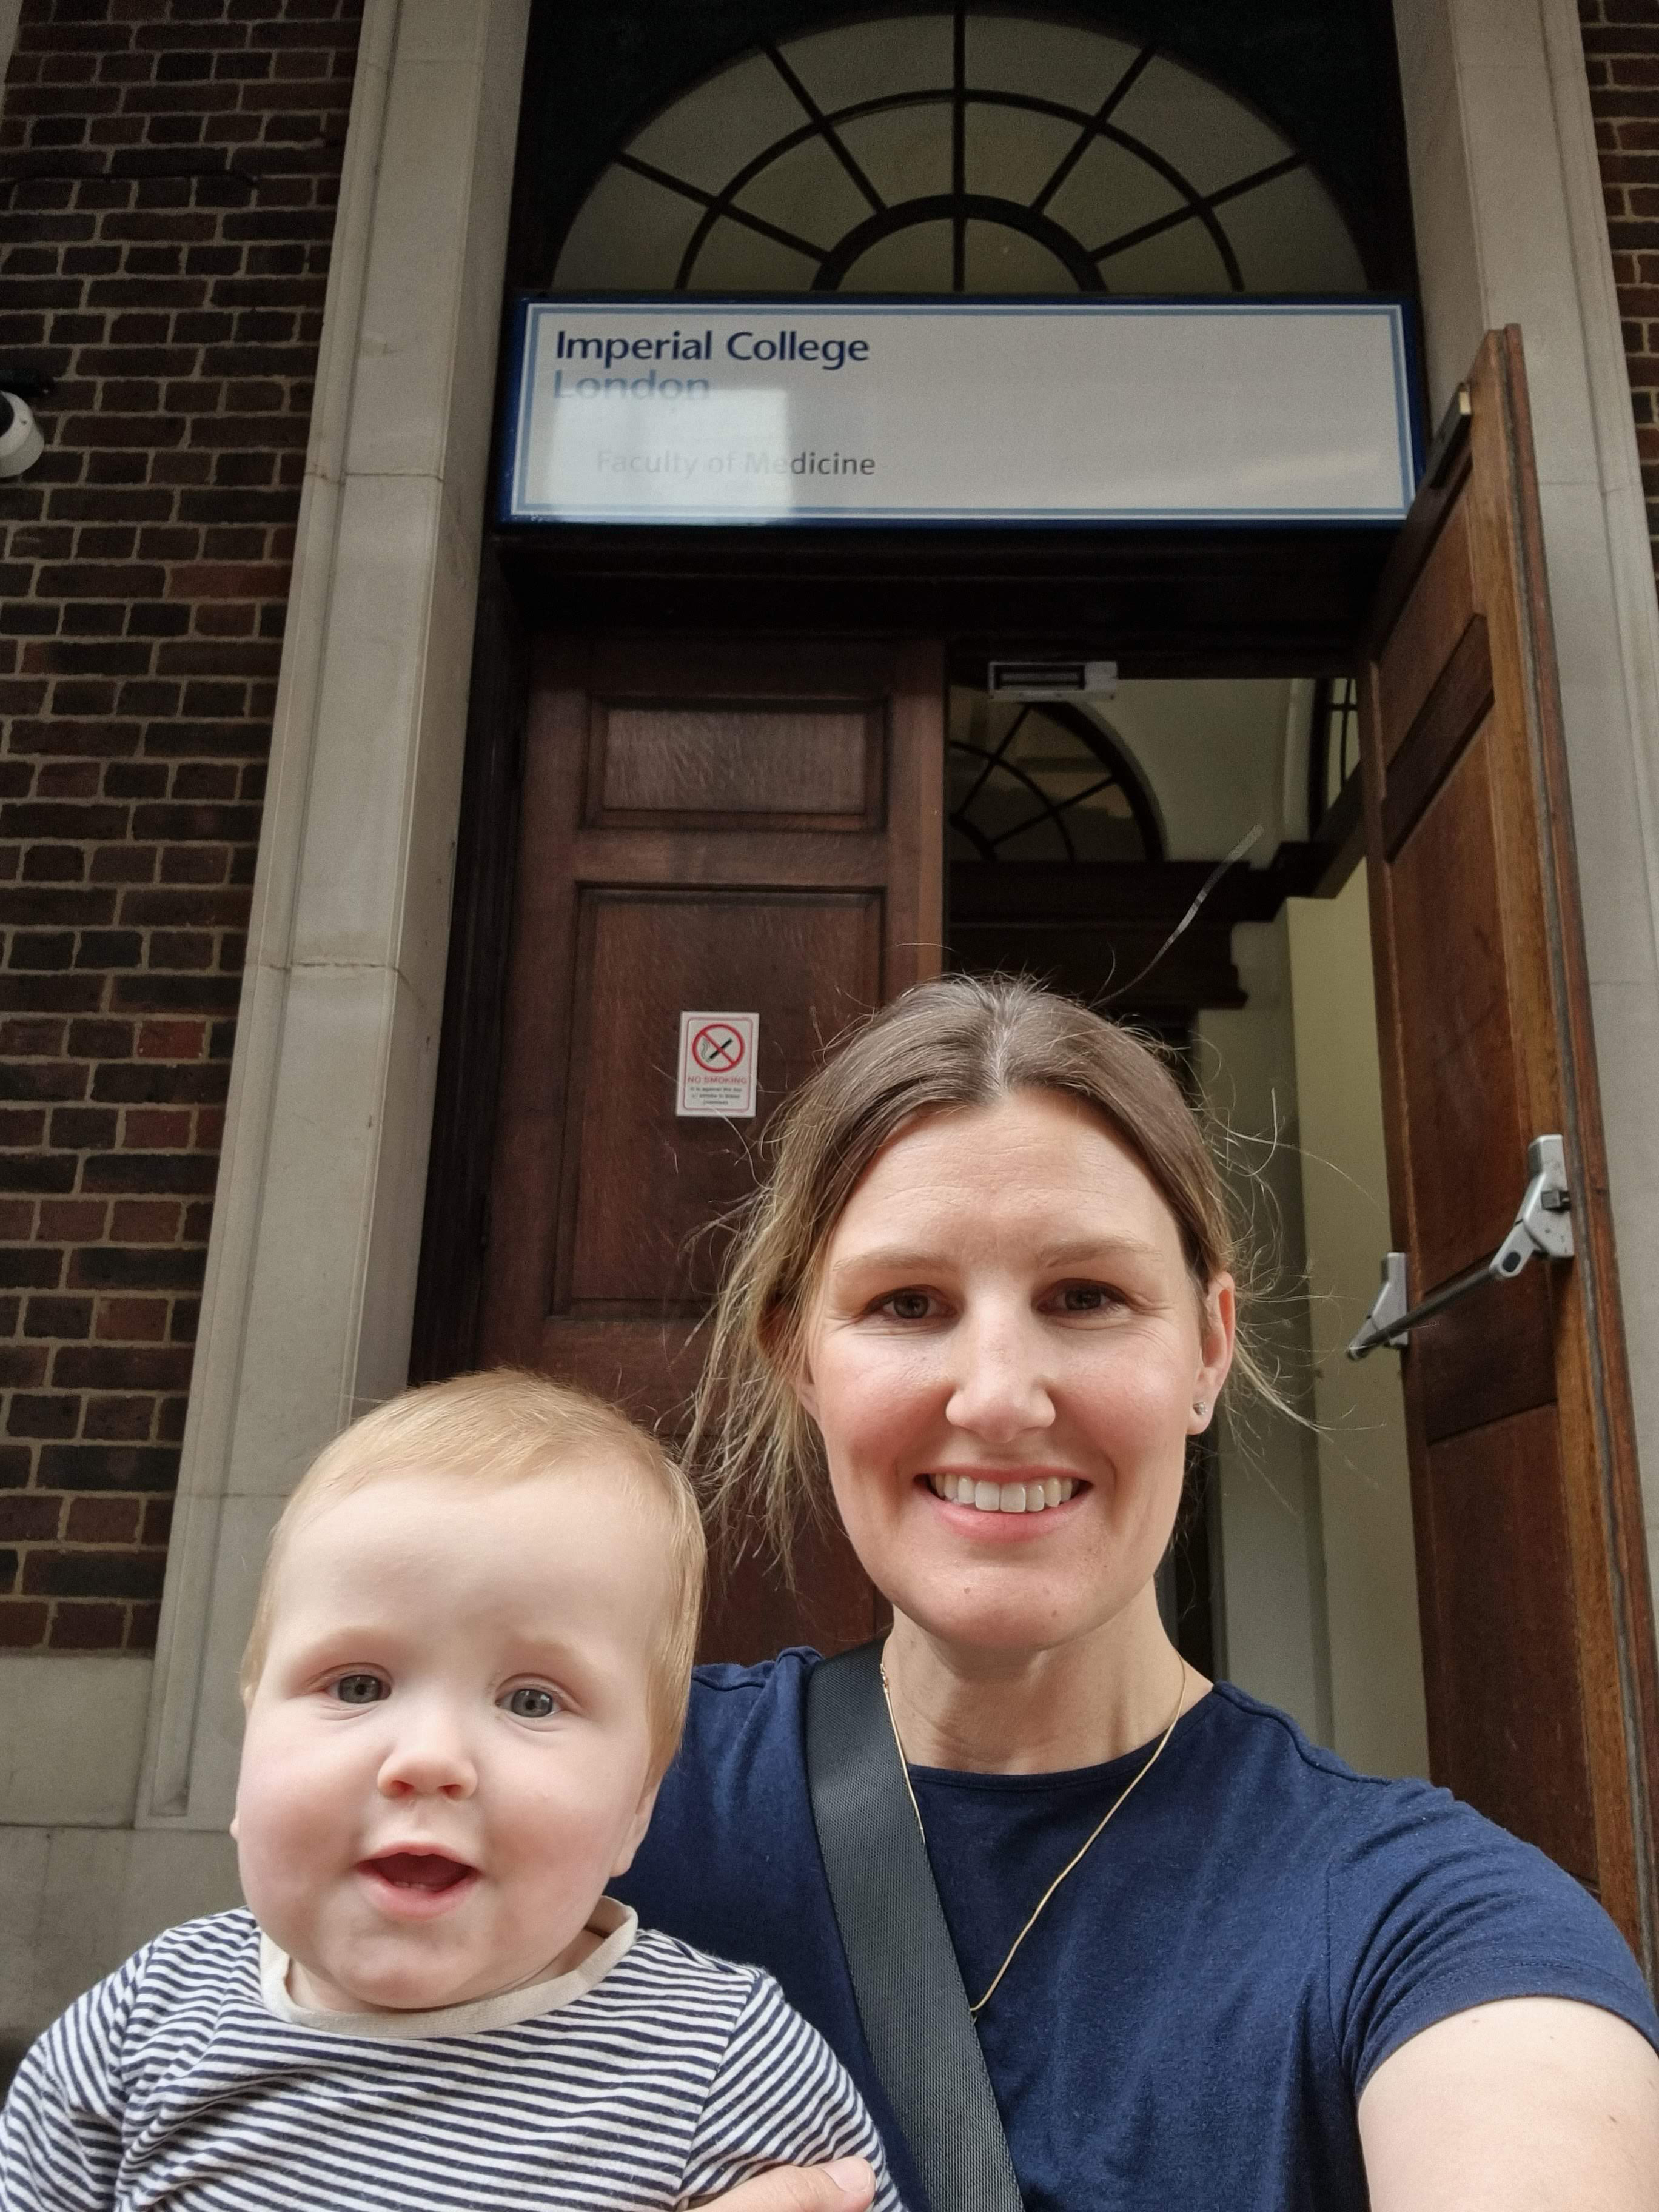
[(998, 1493)]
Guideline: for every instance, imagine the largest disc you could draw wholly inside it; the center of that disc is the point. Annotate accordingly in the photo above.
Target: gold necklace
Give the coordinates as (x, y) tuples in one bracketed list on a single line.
[(1129, 1787)]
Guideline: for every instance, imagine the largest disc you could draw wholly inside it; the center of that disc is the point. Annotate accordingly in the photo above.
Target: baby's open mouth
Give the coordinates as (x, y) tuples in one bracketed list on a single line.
[(428, 1870)]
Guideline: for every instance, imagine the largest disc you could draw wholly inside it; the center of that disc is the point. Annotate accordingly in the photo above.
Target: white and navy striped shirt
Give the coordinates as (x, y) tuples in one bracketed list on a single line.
[(652, 2076)]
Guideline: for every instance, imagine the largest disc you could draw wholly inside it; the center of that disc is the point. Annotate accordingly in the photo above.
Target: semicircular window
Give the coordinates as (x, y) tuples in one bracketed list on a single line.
[(1042, 782), (979, 151)]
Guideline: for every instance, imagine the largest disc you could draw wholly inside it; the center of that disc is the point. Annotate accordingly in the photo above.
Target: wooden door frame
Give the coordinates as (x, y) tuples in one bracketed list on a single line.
[(1623, 1742)]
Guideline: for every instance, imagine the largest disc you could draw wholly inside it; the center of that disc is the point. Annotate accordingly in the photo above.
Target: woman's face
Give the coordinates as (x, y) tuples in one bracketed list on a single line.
[(1005, 1304)]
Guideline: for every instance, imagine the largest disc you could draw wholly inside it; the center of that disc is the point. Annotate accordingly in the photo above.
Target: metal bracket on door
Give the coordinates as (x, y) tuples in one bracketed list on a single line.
[(1543, 1228)]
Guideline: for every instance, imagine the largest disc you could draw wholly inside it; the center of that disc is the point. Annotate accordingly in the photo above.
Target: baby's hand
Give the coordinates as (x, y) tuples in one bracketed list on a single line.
[(846, 2185)]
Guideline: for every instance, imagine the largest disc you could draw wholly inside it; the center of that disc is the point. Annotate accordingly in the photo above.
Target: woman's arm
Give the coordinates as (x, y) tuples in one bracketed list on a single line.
[(1534, 2105)]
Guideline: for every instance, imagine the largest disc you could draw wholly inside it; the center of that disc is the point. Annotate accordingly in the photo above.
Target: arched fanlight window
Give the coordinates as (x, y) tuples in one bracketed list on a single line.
[(1042, 782), (1333, 744), (979, 151)]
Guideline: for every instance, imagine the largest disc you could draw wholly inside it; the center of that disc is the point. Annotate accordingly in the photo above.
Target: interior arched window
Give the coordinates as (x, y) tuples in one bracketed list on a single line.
[(1042, 781), (979, 151)]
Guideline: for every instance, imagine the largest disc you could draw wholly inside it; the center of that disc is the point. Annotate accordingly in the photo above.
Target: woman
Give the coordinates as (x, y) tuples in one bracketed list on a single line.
[(989, 1296)]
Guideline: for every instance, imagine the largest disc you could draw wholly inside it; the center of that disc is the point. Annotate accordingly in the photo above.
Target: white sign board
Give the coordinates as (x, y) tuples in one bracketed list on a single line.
[(717, 1065), (688, 410)]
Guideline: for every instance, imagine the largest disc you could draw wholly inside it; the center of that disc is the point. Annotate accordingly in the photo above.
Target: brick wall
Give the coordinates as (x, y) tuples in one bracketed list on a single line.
[(1622, 56), (168, 171)]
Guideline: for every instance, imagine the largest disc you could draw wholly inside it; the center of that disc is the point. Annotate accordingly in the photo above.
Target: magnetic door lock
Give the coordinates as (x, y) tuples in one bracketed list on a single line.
[(1542, 1228)]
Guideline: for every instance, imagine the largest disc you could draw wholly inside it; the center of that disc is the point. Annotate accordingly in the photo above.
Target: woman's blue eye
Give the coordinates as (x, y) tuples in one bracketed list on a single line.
[(360, 1689), (528, 1703), (908, 1305)]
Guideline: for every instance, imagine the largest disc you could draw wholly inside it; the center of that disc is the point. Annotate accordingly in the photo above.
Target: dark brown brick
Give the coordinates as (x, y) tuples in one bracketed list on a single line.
[(72, 1220), (136, 1171), (137, 1268), (29, 1518), (22, 1366), (122, 1367), (49, 1079), (87, 1628), (22, 1624), (81, 1128), (23, 1267), (41, 1414), (57, 1317), (101, 1520), (149, 1467), (37, 1171)]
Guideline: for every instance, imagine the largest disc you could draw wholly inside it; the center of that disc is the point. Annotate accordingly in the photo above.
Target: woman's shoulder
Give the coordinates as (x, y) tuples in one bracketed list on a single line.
[(744, 1736), (727, 1697), (1377, 1835), (1430, 1907), (1256, 1749)]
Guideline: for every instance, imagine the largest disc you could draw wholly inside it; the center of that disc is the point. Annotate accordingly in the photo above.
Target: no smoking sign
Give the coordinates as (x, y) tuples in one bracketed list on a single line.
[(717, 1065)]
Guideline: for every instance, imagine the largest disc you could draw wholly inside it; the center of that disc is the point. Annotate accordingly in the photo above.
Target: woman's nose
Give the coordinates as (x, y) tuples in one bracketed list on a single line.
[(1000, 1390), (428, 1756)]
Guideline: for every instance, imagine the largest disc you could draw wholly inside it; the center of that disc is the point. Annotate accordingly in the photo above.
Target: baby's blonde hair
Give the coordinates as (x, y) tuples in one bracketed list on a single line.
[(503, 1427)]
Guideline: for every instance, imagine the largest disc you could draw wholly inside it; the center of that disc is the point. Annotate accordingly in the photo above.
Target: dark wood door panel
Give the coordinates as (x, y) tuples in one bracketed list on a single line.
[(1508, 1618), (643, 1187), (1447, 719), (1423, 633), (1463, 1386), (1464, 1137), (802, 764)]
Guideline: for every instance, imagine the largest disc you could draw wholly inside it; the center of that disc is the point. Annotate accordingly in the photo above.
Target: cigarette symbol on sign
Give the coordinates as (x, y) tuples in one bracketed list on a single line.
[(717, 1049)]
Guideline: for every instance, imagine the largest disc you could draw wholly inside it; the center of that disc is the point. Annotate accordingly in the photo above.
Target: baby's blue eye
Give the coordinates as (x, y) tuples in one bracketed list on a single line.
[(360, 1689), (530, 1702)]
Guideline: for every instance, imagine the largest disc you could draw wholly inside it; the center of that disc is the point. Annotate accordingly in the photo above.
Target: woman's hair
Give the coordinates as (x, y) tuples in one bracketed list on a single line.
[(484, 1432), (961, 1041)]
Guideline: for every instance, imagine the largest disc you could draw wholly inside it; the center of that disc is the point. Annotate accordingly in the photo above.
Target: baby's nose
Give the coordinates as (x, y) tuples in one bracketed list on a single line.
[(429, 1759)]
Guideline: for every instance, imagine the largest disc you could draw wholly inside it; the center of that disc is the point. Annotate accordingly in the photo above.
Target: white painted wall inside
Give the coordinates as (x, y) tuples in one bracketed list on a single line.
[(1272, 1567), (1377, 1721)]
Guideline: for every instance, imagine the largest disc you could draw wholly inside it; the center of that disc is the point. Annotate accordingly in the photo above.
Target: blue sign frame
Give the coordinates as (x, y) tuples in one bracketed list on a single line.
[(514, 510)]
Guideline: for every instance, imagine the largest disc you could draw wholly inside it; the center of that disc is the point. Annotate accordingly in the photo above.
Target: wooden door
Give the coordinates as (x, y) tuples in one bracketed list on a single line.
[(1537, 1622), (743, 825)]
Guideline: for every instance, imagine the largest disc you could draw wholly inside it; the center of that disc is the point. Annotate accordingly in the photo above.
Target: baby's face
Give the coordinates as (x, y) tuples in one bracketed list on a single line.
[(448, 1752)]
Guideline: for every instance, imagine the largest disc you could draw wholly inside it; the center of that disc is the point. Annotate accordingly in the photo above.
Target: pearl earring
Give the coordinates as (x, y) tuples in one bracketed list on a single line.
[(1201, 1407)]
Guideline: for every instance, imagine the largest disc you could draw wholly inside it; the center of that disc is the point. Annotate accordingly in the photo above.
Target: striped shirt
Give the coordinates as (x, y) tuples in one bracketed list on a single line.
[(652, 2076)]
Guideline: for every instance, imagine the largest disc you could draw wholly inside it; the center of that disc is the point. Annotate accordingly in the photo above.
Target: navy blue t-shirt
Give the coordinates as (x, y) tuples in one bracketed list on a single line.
[(1191, 2021)]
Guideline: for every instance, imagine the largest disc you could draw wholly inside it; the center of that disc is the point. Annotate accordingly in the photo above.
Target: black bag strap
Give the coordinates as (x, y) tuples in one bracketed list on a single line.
[(905, 1977)]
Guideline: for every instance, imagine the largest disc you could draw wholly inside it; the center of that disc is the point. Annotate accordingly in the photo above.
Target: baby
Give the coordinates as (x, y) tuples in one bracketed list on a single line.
[(468, 1670)]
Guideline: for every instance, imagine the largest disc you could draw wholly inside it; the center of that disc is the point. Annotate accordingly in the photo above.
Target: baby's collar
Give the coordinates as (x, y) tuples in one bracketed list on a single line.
[(616, 1925)]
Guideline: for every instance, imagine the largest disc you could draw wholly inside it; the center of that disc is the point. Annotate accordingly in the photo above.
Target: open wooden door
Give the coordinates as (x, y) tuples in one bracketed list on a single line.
[(729, 825), (1537, 1621)]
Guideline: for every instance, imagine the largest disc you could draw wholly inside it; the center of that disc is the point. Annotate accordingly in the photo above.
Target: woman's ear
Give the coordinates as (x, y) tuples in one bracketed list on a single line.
[(1219, 1329), (796, 1363), (805, 1390)]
